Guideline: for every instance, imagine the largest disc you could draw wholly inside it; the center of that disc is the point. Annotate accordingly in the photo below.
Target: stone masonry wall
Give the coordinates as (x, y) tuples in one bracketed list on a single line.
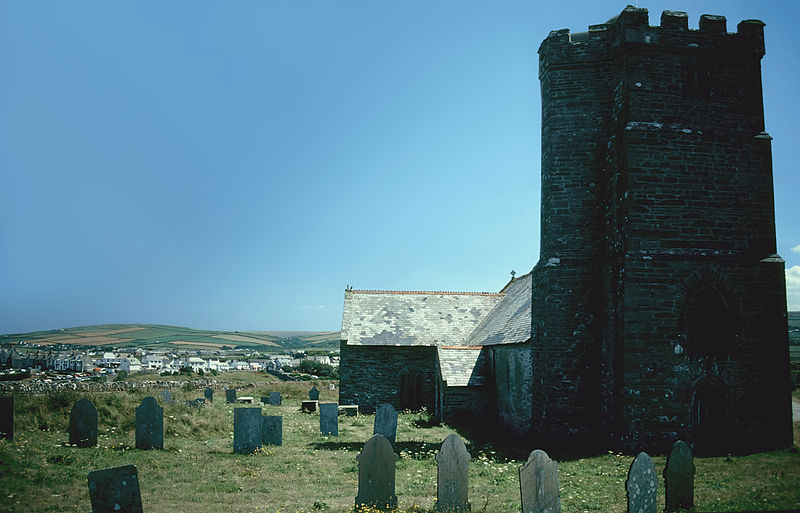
[(370, 375), (656, 184)]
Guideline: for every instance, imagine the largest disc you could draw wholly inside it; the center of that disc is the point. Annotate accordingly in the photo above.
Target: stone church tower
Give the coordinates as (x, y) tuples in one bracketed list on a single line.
[(658, 308)]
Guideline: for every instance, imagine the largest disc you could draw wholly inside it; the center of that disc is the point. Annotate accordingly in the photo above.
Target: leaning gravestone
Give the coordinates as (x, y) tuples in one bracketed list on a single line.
[(115, 490), (83, 424), (313, 394), (538, 484), (679, 478), (7, 417), (309, 406), (452, 490), (209, 395), (386, 422), (230, 395), (166, 395), (642, 485), (275, 398), (272, 430), (149, 424), (376, 473), (329, 419), (246, 430)]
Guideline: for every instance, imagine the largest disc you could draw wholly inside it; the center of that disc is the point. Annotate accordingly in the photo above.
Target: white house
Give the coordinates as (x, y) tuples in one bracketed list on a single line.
[(153, 362), (109, 360), (238, 366), (130, 365)]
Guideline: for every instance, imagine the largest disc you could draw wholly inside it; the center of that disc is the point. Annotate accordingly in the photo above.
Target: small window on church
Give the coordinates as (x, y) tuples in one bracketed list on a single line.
[(709, 325)]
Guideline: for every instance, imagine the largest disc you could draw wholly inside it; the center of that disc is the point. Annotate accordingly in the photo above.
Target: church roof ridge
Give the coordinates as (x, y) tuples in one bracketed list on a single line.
[(433, 292)]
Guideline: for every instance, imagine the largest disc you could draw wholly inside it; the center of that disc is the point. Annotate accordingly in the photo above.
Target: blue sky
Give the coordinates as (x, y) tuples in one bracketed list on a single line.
[(234, 165)]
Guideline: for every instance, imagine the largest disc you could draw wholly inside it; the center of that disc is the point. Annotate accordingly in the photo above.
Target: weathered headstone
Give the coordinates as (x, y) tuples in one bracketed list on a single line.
[(166, 395), (264, 399), (376, 474), (275, 398), (313, 394), (642, 485), (246, 430), (272, 430), (309, 406), (329, 419), (386, 422), (7, 417), (452, 490), (83, 424), (538, 484), (679, 478), (115, 490), (230, 395), (149, 421), (209, 395)]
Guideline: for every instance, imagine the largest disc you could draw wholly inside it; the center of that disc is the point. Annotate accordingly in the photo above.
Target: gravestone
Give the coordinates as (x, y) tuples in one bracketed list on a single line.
[(115, 490), (538, 484), (376, 474), (83, 424), (272, 430), (386, 422), (196, 403), (230, 395), (149, 421), (642, 485), (264, 399), (166, 395), (246, 430), (679, 478), (329, 419), (275, 398), (7, 417), (209, 395), (309, 406), (313, 394), (452, 490)]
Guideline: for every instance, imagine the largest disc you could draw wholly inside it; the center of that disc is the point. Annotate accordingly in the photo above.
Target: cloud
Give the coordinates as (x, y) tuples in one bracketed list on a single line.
[(796, 249), (793, 288)]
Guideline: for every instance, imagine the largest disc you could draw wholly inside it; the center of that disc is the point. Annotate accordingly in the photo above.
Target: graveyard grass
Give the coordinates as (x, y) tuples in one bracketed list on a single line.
[(197, 470)]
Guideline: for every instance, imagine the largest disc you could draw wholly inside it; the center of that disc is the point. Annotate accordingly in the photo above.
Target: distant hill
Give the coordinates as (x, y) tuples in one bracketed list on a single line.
[(156, 336)]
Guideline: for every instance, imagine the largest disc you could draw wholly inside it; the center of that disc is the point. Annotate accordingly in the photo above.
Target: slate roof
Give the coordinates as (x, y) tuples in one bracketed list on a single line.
[(510, 321), (401, 318), (462, 366)]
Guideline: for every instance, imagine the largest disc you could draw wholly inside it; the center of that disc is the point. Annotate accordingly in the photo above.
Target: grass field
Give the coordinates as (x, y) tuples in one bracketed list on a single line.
[(198, 472), (147, 336)]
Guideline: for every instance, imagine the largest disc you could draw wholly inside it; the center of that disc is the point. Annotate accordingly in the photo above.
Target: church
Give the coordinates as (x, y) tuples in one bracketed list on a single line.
[(657, 309)]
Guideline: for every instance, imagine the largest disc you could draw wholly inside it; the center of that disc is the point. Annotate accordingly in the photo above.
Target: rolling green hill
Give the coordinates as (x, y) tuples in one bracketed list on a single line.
[(155, 336)]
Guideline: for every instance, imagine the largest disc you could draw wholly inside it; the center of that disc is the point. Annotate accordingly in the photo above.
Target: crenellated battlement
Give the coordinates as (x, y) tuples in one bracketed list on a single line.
[(632, 26)]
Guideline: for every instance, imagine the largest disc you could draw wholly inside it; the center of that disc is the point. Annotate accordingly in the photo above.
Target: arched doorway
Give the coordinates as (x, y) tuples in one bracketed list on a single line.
[(410, 390), (711, 417)]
